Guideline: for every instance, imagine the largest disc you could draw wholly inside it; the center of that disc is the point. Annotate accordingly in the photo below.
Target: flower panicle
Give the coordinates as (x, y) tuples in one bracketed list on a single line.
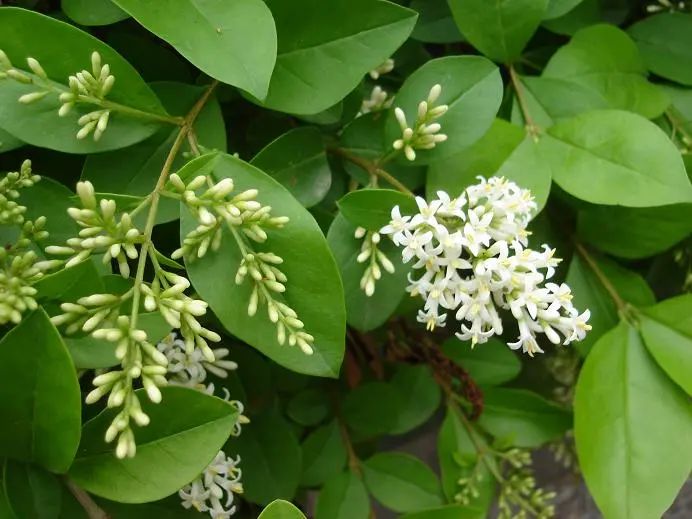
[(376, 259), (472, 252)]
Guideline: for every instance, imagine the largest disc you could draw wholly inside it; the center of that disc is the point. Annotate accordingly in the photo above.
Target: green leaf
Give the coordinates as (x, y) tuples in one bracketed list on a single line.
[(93, 12), (453, 443), (449, 512), (667, 332), (524, 418), (38, 123), (372, 208), (32, 493), (135, 170), (401, 482), (70, 284), (39, 397), (364, 137), (488, 364), (557, 8), (8, 141), (499, 29), (187, 430), (169, 508), (471, 87), (680, 112), (604, 60), (214, 35), (665, 41), (309, 407), (323, 56), (324, 455), (594, 154), (372, 409), (589, 292), (281, 510), (528, 167), (417, 387), (274, 471), (313, 289), (362, 312), (51, 199), (631, 424), (484, 157), (435, 23), (635, 233), (298, 161), (343, 497)]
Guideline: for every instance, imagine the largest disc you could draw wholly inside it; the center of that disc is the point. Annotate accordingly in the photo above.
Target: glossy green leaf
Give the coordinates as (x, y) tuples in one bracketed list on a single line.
[(585, 13), (324, 455), (8, 141), (135, 170), (70, 284), (38, 123), (667, 332), (455, 443), (309, 407), (557, 8), (372, 208), (484, 157), (665, 41), (635, 232), (680, 111), (604, 60), (401, 482), (594, 154), (280, 509), (214, 36), (50, 199), (435, 22), (298, 161), (499, 29), (93, 12), (490, 364), (313, 289), (365, 312), (471, 87), (418, 388), (323, 56), (589, 292), (632, 425), (39, 397), (187, 430), (372, 409), (343, 497), (523, 418), (32, 493), (276, 459)]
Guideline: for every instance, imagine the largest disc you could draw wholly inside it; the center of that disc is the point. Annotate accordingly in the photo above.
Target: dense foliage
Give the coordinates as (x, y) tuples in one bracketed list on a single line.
[(249, 246)]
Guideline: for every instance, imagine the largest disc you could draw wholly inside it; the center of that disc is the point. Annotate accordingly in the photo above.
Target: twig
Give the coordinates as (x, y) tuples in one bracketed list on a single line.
[(92, 510), (370, 167), (620, 303), (531, 126)]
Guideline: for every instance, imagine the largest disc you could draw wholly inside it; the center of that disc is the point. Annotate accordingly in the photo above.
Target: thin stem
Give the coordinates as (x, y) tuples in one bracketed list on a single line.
[(678, 126), (156, 196), (370, 167), (92, 510), (531, 126), (620, 303)]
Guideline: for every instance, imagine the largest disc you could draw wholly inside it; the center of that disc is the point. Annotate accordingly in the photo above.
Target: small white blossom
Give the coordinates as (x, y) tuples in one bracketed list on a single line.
[(424, 134), (189, 368), (214, 490), (668, 5), (474, 262), (384, 68)]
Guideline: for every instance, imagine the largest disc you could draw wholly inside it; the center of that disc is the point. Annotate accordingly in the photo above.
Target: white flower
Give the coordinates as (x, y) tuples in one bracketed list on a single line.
[(189, 368), (471, 252), (214, 490)]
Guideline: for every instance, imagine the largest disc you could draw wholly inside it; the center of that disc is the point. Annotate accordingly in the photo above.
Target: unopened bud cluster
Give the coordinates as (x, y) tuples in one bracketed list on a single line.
[(103, 230), (379, 100), (376, 260), (472, 253), (519, 496), (670, 6), (384, 68), (248, 221), (84, 87), (20, 266), (424, 134)]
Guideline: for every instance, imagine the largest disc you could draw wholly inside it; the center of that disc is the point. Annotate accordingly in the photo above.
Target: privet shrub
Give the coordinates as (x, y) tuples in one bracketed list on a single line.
[(247, 244)]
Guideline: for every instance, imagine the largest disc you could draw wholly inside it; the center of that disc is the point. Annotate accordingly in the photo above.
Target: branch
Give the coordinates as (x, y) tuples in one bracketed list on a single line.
[(620, 303), (92, 510), (531, 126)]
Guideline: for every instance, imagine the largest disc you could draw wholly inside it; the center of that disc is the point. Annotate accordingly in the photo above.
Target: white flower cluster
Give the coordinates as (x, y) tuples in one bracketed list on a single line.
[(85, 87), (189, 368), (379, 100), (102, 230), (247, 220), (20, 267), (213, 491), (384, 68), (425, 134), (474, 261), (371, 253), (669, 6)]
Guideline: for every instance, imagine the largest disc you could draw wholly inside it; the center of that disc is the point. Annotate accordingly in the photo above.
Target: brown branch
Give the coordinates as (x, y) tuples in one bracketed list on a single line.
[(92, 510)]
